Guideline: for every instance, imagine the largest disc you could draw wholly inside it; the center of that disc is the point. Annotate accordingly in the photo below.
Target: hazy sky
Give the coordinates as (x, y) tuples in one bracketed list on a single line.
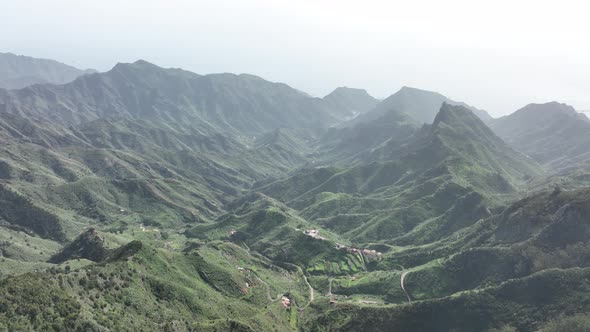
[(497, 55)]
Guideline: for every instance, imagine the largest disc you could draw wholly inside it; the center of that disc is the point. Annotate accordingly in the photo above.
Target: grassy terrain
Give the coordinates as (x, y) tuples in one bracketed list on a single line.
[(149, 204), (140, 287)]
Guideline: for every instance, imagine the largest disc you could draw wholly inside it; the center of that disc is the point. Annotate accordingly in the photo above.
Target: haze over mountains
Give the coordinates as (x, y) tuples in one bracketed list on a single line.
[(18, 71), (146, 198), (350, 100), (553, 134), (420, 105)]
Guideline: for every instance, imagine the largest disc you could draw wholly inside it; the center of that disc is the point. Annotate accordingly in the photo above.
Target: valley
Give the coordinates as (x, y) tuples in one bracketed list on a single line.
[(156, 199)]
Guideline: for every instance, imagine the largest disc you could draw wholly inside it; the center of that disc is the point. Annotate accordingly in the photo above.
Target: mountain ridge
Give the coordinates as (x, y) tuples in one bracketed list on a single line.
[(146, 90), (19, 71), (420, 105), (554, 134), (351, 101), (148, 198)]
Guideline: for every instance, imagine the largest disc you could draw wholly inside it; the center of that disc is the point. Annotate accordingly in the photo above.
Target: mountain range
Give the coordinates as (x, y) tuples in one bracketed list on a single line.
[(146, 198), (19, 71), (421, 105)]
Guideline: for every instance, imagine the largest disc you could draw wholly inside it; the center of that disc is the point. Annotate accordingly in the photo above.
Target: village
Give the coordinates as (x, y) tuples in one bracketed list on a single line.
[(365, 253)]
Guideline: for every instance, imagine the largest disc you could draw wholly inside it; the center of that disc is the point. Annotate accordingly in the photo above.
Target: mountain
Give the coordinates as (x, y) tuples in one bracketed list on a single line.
[(18, 71), (553, 134), (274, 230), (350, 102), (530, 260), (153, 289), (346, 145), (145, 144), (158, 199), (239, 104), (88, 245), (147, 141), (420, 105), (455, 163)]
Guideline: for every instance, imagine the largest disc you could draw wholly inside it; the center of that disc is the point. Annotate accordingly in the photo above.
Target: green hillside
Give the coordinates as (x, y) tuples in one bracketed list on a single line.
[(456, 169), (157, 199)]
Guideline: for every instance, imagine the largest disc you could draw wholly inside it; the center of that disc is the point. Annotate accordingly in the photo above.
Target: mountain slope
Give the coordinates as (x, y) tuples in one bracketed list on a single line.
[(529, 260), (239, 104), (450, 170), (88, 245), (158, 199), (156, 143), (553, 134), (539, 298), (278, 232), (17, 71), (457, 134), (92, 172), (420, 105), (355, 144), (211, 288), (350, 102)]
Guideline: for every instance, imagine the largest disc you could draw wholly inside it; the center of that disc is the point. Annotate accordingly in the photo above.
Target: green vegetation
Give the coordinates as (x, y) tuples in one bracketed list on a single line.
[(523, 304), (140, 287), (161, 200)]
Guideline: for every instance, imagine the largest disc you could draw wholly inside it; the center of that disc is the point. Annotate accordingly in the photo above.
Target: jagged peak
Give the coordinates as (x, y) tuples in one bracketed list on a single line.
[(464, 121), (89, 245), (448, 113)]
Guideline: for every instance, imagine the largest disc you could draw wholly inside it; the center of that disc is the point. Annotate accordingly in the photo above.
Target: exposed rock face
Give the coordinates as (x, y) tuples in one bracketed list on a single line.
[(88, 245)]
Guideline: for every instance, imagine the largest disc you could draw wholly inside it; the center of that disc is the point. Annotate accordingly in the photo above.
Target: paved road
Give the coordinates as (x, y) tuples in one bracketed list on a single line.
[(402, 279)]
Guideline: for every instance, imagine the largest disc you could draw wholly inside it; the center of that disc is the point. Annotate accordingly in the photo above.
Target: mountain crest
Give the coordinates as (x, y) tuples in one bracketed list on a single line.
[(18, 71), (137, 65), (346, 90), (461, 118), (88, 245), (350, 102), (554, 134), (421, 105)]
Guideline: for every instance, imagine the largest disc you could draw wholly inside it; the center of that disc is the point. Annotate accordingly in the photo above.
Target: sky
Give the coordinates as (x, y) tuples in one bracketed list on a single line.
[(495, 55)]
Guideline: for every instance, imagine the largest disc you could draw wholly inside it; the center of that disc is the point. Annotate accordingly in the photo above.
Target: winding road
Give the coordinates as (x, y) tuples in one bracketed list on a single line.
[(311, 290), (270, 262), (402, 279), (266, 285)]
